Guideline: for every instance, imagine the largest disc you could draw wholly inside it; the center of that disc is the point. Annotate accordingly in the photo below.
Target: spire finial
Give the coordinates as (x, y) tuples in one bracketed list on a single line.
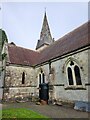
[(45, 9)]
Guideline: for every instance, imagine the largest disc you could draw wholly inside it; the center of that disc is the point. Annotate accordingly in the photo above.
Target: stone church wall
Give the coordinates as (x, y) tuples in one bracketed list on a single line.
[(58, 80), (13, 82), (45, 70), (61, 87)]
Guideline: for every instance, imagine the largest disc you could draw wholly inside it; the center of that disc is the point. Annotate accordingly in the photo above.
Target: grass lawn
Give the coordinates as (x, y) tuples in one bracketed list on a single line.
[(21, 113)]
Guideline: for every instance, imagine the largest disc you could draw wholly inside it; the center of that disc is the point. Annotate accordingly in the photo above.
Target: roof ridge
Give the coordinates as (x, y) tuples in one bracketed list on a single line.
[(74, 40), (23, 48), (68, 34)]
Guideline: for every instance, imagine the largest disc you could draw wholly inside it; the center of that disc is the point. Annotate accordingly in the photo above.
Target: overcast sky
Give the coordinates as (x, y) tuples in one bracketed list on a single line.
[(22, 21)]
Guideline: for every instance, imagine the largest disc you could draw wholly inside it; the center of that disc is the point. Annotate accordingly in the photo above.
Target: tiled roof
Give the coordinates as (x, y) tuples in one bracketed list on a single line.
[(76, 39), (73, 41), (23, 56)]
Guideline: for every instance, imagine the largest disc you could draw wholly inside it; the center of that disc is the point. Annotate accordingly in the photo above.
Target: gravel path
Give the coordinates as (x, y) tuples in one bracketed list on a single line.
[(51, 111)]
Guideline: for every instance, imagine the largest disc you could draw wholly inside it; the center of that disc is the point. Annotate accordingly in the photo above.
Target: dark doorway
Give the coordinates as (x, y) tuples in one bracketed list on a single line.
[(44, 91)]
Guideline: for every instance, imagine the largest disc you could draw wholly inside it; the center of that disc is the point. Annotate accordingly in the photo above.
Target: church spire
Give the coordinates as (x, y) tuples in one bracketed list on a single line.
[(45, 35), (45, 32)]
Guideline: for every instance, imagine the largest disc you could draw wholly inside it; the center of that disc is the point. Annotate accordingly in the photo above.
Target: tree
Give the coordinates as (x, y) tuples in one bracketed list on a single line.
[(3, 39)]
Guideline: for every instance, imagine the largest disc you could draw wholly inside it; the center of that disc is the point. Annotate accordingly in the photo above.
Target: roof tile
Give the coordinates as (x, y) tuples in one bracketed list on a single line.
[(23, 56), (76, 39)]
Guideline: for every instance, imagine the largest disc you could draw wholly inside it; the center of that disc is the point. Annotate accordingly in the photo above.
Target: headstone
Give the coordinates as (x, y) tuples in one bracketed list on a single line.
[(83, 106)]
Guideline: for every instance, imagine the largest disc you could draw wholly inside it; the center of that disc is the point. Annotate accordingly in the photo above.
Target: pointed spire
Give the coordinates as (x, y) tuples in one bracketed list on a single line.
[(45, 35), (45, 32)]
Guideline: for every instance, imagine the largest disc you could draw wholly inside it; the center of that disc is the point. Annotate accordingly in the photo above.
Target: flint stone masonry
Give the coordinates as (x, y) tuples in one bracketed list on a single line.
[(13, 81), (14, 76), (59, 81), (63, 64), (61, 78)]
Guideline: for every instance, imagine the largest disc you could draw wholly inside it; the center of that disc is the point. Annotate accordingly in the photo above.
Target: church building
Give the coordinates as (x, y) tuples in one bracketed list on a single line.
[(62, 64)]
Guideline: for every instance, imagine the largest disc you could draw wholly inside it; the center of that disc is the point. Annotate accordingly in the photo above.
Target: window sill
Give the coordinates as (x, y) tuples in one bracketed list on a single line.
[(77, 87)]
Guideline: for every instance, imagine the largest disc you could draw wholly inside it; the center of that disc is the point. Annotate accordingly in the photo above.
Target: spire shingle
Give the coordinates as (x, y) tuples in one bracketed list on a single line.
[(45, 35)]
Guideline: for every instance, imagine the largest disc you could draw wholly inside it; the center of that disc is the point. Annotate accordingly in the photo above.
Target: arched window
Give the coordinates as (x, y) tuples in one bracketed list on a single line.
[(23, 78), (39, 78), (43, 78), (70, 77), (50, 67), (77, 75), (73, 73)]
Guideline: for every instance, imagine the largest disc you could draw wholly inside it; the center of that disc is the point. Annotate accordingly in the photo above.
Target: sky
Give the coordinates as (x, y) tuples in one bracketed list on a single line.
[(22, 21)]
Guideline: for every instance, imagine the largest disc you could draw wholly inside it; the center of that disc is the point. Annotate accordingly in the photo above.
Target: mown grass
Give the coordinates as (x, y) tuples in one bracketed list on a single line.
[(23, 113)]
